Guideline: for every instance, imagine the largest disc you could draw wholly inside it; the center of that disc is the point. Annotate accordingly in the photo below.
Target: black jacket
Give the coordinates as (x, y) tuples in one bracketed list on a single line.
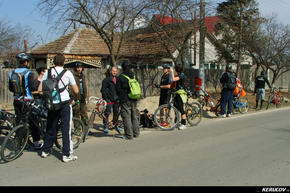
[(226, 78), (123, 88), (82, 95), (109, 89), (260, 82)]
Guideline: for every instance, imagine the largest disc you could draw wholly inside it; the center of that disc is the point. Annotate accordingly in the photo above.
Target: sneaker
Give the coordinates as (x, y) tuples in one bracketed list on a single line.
[(222, 116), (182, 127), (164, 124), (229, 115), (37, 145), (69, 158), (106, 131), (127, 138), (44, 154)]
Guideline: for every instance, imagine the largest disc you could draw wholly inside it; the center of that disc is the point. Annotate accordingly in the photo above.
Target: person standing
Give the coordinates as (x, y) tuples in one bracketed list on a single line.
[(165, 85), (80, 108), (37, 81), (21, 84), (128, 105), (228, 81), (109, 94), (63, 114), (181, 95), (260, 88)]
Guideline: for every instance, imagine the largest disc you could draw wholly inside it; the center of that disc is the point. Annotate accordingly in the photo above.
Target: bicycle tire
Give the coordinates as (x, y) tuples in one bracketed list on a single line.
[(245, 109), (269, 102), (16, 138), (218, 110), (193, 113), (173, 123), (281, 100), (77, 134), (42, 129)]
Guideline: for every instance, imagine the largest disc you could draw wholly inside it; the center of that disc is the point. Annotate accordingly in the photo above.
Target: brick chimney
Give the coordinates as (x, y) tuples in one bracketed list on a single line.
[(25, 46)]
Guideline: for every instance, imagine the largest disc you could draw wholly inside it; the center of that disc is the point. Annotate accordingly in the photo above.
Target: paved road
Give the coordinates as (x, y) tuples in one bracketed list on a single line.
[(251, 150)]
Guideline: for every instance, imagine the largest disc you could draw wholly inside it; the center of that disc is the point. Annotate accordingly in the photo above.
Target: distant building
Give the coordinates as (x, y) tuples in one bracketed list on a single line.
[(85, 45)]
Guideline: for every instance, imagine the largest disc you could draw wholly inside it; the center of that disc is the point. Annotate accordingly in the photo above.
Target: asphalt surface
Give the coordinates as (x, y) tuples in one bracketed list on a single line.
[(247, 150)]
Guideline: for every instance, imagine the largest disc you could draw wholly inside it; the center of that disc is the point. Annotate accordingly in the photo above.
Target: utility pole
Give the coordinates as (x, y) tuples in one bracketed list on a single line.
[(202, 31)]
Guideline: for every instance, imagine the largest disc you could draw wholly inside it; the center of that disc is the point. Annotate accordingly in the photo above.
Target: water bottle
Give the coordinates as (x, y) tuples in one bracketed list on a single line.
[(56, 97)]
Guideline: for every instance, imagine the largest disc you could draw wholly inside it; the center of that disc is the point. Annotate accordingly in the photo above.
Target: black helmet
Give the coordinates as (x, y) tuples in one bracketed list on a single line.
[(166, 66), (78, 64), (263, 73), (229, 67), (22, 57)]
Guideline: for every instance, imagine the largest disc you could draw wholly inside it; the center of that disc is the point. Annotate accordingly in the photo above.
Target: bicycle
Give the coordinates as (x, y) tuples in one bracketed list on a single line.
[(206, 100), (275, 97), (19, 137), (168, 117), (100, 106)]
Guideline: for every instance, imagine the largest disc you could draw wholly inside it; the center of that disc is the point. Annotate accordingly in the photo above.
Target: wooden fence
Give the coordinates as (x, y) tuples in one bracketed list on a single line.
[(95, 76)]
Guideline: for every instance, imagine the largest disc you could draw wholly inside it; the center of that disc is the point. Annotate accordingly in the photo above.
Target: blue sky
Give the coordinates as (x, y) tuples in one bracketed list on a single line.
[(24, 12)]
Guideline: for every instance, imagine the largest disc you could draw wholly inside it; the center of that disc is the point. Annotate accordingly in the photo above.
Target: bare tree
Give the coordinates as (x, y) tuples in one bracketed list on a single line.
[(238, 21), (111, 19), (270, 48), (7, 35), (171, 23)]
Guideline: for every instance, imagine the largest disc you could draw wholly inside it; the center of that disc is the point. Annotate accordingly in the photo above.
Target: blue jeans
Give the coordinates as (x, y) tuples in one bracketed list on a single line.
[(227, 101)]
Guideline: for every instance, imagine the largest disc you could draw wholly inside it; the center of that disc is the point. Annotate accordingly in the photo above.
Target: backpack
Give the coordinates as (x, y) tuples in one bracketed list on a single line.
[(135, 88), (146, 120), (17, 82), (232, 82), (51, 91)]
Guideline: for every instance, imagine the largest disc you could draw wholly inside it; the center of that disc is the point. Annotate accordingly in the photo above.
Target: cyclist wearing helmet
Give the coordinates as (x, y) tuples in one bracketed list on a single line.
[(260, 88), (21, 81)]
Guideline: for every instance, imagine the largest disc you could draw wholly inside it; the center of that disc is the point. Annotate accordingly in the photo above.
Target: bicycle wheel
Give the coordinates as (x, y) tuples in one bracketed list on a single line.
[(218, 109), (167, 117), (14, 143), (77, 134), (42, 128), (244, 107), (270, 101), (280, 101), (193, 113)]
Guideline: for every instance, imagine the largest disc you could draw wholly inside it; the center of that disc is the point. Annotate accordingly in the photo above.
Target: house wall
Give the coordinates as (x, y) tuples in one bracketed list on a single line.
[(210, 52)]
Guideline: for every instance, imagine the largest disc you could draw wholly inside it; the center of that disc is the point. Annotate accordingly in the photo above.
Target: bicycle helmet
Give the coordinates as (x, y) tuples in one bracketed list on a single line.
[(22, 57), (229, 67), (166, 66), (263, 73), (78, 64)]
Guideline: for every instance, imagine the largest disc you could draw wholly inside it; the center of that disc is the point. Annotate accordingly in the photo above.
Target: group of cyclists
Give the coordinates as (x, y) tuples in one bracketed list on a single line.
[(115, 90)]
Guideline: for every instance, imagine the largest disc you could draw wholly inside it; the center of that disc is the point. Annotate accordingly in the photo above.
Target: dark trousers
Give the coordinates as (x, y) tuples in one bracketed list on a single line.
[(62, 119), (178, 103), (227, 101), (21, 112), (108, 111), (130, 120), (80, 111)]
